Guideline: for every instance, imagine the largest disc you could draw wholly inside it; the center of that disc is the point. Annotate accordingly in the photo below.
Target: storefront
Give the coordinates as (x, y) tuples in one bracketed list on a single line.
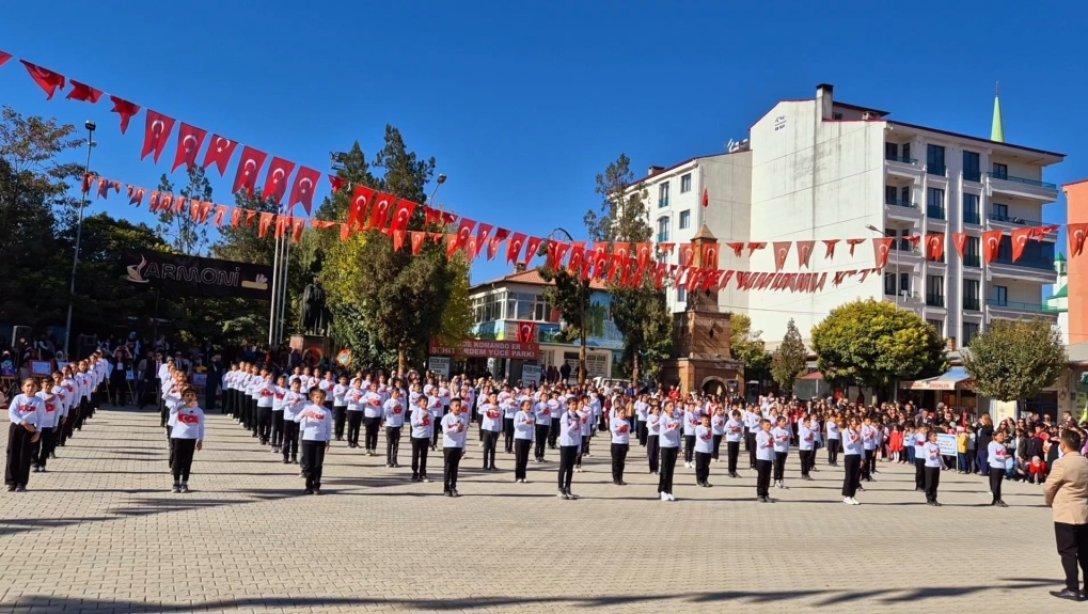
[(954, 388)]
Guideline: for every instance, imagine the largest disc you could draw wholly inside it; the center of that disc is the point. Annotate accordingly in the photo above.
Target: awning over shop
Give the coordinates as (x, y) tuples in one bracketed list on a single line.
[(955, 378)]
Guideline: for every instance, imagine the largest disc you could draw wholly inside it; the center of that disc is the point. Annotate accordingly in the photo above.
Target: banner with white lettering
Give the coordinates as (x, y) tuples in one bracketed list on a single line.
[(179, 275)]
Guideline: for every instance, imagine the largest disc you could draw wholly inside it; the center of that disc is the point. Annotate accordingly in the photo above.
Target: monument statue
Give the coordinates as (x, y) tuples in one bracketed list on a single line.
[(313, 314)]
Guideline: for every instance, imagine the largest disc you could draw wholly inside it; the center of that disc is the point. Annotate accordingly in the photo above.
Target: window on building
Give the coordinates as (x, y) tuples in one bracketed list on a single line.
[(1001, 171), (970, 209), (662, 229), (904, 284), (970, 252), (1001, 296), (685, 183), (891, 195), (970, 294), (935, 160), (935, 203), (971, 170), (904, 196), (685, 219), (889, 284), (891, 151), (681, 295), (1001, 212), (970, 331), (935, 290), (938, 325), (663, 194)]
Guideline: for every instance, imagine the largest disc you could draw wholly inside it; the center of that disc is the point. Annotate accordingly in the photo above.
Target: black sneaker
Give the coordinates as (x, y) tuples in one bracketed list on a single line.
[(177, 488), (309, 491), (317, 491), (1068, 594), (184, 487)]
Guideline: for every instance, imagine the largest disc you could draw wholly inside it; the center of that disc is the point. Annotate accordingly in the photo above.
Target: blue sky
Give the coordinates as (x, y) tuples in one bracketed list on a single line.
[(523, 103)]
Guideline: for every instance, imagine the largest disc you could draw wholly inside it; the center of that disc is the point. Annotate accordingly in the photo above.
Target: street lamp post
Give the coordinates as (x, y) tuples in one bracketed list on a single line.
[(89, 125)]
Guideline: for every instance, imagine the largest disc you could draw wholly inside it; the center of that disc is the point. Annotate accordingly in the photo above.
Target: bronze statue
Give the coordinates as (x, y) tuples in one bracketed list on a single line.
[(313, 314)]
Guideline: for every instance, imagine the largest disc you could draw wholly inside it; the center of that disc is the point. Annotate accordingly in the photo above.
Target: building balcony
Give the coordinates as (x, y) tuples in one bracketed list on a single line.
[(1024, 270), (934, 300), (1017, 309), (936, 169), (1023, 187), (902, 166), (1009, 222), (901, 209), (974, 176), (971, 216), (934, 212), (971, 303)]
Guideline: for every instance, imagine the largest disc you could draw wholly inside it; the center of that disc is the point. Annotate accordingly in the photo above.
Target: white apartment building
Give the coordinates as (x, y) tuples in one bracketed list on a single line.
[(821, 169)]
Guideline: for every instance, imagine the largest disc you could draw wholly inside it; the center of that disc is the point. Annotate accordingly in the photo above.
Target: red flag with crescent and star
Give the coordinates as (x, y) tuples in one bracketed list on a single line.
[(991, 244), (156, 134), (881, 247), (249, 166), (1020, 238), (853, 243), (804, 252), (526, 332), (687, 254), (417, 237), (46, 79), (357, 209), (495, 243), (275, 182), (513, 250), (381, 210), (935, 246), (219, 152), (84, 92), (532, 248), (190, 138), (752, 247), (1077, 234), (402, 214), (577, 257), (302, 191), (781, 252), (125, 109), (737, 247), (829, 247), (959, 240), (464, 231)]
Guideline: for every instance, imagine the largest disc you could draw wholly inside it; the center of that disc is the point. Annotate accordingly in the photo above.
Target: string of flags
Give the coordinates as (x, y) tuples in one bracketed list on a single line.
[(370, 208)]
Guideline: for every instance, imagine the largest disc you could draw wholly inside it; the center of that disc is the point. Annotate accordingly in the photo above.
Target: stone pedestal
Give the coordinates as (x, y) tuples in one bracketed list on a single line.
[(314, 348)]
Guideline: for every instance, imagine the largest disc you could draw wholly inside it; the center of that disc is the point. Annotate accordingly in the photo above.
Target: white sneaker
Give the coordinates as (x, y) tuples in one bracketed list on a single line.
[(854, 501), (664, 497), (783, 486), (672, 497), (846, 500)]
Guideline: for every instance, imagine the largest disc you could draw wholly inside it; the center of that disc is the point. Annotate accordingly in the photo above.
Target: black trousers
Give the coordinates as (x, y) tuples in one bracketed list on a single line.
[(451, 460), (508, 434), (312, 462), (264, 423), (491, 441), (763, 477), (170, 446), (521, 457), (933, 480), (1072, 540), (392, 444), (567, 454), (43, 447), (717, 445), (808, 458), (689, 447), (732, 450), (919, 473), (420, 445), (641, 431), (851, 476), (867, 466), (372, 425), (702, 467), (653, 452), (619, 460), (541, 439), (995, 483), (289, 445), (183, 458), (339, 417), (833, 451), (17, 470), (750, 442), (780, 465), (355, 421), (668, 466), (277, 428), (553, 433)]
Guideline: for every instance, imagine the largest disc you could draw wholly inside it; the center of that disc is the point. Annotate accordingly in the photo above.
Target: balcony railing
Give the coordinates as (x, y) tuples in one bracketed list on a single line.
[(971, 260), (935, 169), (970, 303), (971, 217), (1012, 219), (1024, 261), (975, 176), (934, 212), (662, 237), (935, 300), (899, 202), (1016, 305), (903, 159), (1024, 180)]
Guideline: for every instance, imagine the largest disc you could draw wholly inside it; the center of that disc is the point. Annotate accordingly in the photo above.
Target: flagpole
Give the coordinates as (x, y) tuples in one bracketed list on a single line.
[(272, 307), (79, 235), (286, 266)]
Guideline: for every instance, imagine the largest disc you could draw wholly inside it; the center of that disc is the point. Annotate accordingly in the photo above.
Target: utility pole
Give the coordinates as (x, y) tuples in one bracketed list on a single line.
[(89, 125)]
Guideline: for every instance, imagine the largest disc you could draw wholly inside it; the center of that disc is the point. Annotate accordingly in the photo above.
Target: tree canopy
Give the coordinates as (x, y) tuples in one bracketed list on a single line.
[(788, 360), (1014, 360)]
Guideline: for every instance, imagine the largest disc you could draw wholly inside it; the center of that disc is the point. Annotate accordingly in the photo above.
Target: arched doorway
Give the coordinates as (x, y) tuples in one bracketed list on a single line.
[(714, 386)]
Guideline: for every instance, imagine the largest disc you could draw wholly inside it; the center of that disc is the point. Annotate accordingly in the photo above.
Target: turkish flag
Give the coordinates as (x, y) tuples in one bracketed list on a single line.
[(829, 245), (752, 247), (526, 332), (622, 250), (275, 182), (495, 242), (726, 277), (452, 245), (1020, 238), (959, 239), (84, 92), (709, 259), (464, 231), (135, 195), (804, 252), (220, 214), (577, 257), (398, 239), (554, 254), (781, 251), (297, 225), (666, 248), (380, 211), (687, 254), (532, 247), (513, 251), (103, 187), (156, 134), (219, 152), (205, 210), (249, 166), (166, 202), (179, 204), (402, 213), (881, 247), (660, 270), (710, 280), (153, 202), (357, 209), (706, 198), (88, 179), (4, 57), (695, 278), (46, 79), (302, 191), (345, 232), (644, 252), (935, 246), (417, 238), (190, 138), (991, 244), (266, 221), (854, 243), (337, 183), (125, 109), (483, 232), (1077, 233)]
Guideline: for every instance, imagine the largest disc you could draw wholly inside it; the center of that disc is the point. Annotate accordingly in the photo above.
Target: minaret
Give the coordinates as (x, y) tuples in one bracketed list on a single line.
[(997, 129)]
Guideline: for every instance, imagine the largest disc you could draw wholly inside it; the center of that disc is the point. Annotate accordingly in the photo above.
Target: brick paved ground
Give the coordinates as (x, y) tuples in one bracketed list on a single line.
[(101, 531)]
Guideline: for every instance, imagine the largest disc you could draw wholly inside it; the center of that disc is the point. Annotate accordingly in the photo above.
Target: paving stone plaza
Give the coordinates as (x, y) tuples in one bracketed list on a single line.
[(102, 531)]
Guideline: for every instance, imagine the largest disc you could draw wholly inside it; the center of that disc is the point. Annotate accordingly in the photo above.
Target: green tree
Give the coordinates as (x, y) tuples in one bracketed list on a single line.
[(640, 312), (788, 359), (1014, 360), (570, 294), (747, 347), (874, 343), (185, 234)]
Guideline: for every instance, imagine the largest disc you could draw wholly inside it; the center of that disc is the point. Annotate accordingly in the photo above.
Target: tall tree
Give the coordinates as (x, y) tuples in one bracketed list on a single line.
[(570, 294), (639, 311), (874, 343), (747, 347), (1014, 360), (184, 234), (788, 359)]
